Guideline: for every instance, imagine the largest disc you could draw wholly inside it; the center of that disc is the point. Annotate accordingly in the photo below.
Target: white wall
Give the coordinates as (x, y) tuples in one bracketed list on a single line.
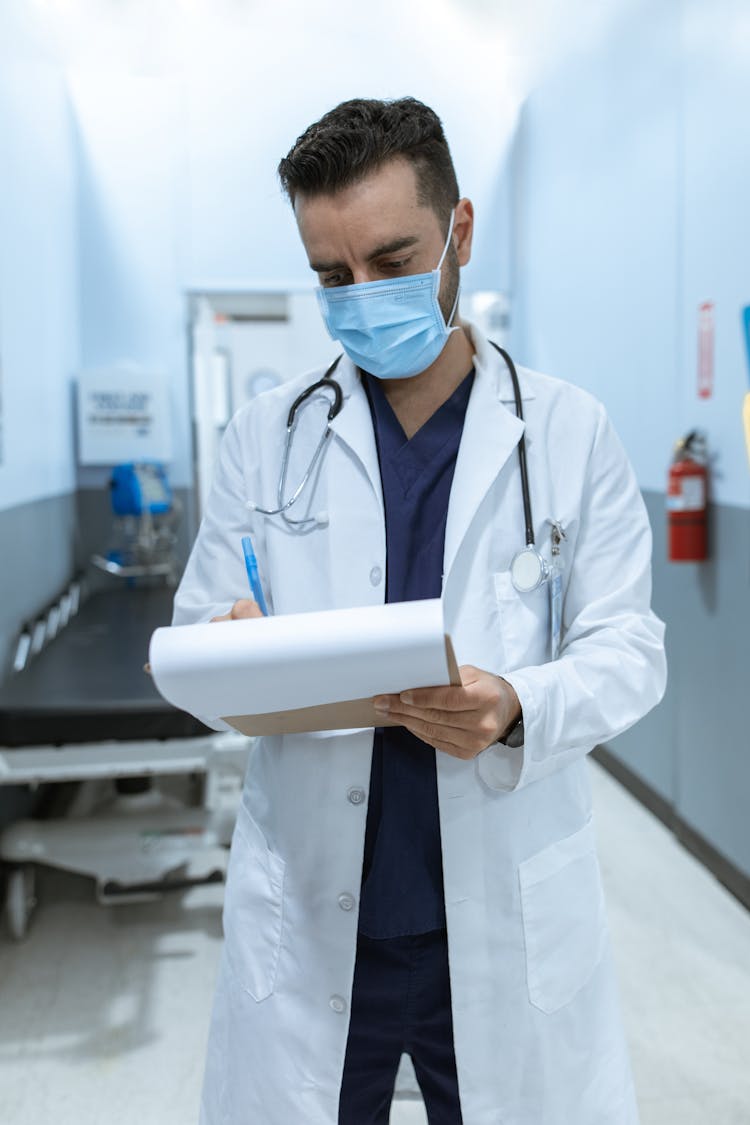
[(631, 208)]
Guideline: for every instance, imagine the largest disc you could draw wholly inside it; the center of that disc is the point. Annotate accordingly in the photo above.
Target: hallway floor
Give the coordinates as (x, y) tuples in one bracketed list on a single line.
[(104, 1009)]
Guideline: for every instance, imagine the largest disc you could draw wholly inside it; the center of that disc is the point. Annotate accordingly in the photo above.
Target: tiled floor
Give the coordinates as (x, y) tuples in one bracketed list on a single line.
[(103, 1010)]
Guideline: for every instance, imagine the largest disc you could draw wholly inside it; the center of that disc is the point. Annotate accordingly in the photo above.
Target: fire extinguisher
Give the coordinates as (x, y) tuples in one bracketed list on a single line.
[(687, 500)]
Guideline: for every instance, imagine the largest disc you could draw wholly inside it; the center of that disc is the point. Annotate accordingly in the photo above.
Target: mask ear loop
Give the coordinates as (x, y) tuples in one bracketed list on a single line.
[(448, 240), (440, 266), (453, 311)]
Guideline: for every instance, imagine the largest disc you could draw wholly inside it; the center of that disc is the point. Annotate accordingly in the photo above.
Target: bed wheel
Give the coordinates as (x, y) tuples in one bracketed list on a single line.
[(20, 900)]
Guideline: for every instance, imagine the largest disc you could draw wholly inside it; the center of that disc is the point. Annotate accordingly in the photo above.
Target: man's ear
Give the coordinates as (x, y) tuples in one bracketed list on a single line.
[(463, 230)]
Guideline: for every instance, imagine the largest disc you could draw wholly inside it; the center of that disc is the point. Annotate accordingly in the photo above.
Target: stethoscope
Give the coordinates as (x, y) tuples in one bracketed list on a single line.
[(528, 569), (327, 383)]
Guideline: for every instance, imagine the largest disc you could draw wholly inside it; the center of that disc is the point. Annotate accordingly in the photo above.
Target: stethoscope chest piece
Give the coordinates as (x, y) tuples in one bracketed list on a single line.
[(529, 570)]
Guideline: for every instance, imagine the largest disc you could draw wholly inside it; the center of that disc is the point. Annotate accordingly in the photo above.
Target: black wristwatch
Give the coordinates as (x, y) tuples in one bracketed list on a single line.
[(514, 738)]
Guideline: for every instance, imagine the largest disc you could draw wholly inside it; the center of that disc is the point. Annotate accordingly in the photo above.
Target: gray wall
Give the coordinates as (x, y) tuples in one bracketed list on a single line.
[(694, 749), (45, 542), (38, 547)]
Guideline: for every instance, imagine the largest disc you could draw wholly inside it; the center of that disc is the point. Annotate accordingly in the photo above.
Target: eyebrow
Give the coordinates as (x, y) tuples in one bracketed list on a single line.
[(385, 248)]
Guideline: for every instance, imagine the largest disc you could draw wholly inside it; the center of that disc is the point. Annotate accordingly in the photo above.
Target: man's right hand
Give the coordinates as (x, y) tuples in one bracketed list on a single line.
[(245, 607)]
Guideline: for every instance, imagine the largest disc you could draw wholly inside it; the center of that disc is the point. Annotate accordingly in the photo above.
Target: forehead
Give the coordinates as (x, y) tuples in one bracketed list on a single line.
[(382, 205)]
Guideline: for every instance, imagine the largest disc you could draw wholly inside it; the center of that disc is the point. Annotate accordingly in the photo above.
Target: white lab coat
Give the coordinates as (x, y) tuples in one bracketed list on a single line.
[(538, 1038)]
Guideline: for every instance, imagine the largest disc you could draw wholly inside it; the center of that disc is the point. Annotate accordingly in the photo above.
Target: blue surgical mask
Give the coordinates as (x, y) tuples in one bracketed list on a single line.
[(393, 329)]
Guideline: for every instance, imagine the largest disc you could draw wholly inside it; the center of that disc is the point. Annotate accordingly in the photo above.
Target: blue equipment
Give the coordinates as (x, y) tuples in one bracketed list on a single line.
[(140, 488), (146, 515)]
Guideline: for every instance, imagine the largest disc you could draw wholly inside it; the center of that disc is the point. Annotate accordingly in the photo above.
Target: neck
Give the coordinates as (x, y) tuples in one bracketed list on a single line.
[(415, 400)]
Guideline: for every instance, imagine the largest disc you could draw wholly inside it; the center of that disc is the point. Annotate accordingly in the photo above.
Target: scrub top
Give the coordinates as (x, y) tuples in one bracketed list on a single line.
[(402, 874)]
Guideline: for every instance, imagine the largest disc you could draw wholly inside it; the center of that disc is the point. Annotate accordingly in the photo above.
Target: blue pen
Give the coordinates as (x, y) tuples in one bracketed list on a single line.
[(251, 564)]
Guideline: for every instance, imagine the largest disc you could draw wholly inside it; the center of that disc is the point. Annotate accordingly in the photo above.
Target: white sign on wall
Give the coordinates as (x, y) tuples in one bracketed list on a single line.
[(123, 415)]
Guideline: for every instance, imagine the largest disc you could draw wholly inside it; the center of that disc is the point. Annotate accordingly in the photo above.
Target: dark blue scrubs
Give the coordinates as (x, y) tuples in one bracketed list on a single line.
[(401, 996), (402, 889)]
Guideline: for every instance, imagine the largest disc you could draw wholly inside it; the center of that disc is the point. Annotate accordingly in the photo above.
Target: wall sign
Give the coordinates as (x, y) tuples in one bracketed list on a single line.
[(123, 415), (706, 348)]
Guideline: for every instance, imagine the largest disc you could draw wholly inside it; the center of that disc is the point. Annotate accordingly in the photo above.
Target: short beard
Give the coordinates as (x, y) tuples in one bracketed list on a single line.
[(447, 298)]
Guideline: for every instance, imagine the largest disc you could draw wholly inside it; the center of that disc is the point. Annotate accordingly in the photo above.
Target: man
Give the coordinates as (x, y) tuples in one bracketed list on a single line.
[(432, 888)]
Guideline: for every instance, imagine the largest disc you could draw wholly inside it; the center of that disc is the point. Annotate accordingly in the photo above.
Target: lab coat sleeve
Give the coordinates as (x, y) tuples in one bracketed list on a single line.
[(612, 669), (215, 576)]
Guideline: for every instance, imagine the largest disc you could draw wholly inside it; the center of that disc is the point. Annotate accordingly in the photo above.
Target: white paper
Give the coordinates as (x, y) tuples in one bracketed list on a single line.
[(269, 664)]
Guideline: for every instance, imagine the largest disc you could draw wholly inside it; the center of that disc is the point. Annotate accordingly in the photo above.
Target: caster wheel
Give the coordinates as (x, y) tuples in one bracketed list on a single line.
[(19, 900)]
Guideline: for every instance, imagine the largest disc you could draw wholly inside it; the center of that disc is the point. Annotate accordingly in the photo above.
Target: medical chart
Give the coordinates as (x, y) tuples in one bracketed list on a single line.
[(303, 671)]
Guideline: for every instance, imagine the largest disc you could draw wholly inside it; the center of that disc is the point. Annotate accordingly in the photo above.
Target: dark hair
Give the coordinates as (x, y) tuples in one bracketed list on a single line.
[(358, 136)]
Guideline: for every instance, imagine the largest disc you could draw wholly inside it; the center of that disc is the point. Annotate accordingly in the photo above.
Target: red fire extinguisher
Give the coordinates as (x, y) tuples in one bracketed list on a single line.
[(687, 500)]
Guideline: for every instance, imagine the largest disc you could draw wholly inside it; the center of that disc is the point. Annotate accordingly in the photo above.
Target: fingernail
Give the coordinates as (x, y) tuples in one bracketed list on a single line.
[(381, 704), (407, 697)]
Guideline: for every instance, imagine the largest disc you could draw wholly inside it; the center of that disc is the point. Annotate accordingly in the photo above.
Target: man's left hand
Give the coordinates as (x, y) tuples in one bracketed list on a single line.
[(461, 721)]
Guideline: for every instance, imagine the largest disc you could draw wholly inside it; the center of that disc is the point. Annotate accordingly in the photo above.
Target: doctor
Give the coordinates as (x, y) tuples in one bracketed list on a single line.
[(431, 888)]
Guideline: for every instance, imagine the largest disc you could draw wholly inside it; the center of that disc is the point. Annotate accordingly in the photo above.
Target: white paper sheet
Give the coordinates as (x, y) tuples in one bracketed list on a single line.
[(300, 660)]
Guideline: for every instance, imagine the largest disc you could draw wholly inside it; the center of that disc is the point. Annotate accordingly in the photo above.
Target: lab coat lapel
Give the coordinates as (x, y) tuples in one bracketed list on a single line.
[(353, 424), (491, 434)]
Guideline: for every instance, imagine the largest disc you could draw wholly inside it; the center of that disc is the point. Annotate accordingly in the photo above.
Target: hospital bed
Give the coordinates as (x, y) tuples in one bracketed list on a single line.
[(82, 709)]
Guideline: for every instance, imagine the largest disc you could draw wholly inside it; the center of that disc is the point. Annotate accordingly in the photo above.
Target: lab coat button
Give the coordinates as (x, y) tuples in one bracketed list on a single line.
[(375, 575), (346, 901), (356, 795), (338, 1003)]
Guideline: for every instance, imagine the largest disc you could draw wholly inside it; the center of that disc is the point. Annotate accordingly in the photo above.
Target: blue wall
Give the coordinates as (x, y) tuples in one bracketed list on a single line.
[(132, 236), (632, 189), (39, 312)]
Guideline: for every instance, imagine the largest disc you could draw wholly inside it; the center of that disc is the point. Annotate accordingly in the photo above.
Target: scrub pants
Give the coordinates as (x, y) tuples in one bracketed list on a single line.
[(401, 1003)]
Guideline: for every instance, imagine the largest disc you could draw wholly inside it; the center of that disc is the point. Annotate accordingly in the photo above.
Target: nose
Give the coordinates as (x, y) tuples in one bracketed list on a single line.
[(363, 274)]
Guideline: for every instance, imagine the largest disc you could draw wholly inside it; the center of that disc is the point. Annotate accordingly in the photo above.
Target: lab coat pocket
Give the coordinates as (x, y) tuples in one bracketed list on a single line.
[(253, 908), (563, 918), (524, 621)]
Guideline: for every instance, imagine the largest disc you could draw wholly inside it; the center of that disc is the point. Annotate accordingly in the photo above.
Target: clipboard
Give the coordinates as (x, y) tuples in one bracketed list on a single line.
[(295, 673), (350, 714)]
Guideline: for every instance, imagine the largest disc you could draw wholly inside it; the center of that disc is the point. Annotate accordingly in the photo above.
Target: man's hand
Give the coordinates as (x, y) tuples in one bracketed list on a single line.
[(245, 607), (461, 721)]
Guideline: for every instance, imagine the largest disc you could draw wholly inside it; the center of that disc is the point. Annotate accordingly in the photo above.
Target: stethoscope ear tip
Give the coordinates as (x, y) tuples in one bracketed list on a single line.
[(321, 519)]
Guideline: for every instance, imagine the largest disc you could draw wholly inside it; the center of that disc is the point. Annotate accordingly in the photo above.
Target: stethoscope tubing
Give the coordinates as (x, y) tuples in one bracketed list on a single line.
[(523, 464), (326, 383)]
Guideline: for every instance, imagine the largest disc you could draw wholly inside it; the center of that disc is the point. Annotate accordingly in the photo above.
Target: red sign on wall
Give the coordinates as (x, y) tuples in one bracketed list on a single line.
[(706, 337)]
